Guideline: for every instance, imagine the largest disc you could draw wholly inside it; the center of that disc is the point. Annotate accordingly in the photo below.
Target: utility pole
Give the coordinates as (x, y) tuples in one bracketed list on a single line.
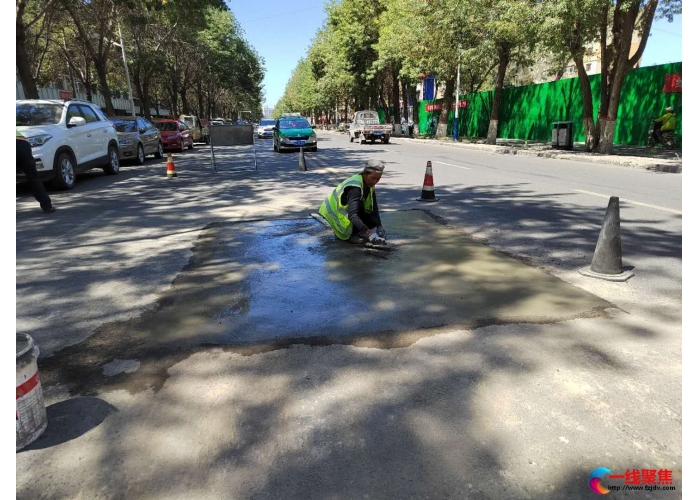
[(456, 122), (126, 70)]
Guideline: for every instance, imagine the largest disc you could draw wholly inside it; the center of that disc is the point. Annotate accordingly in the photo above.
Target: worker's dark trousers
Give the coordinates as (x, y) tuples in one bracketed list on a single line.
[(369, 220), (27, 165)]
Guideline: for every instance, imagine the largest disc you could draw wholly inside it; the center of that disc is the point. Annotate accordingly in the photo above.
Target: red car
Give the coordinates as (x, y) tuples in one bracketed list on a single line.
[(175, 134)]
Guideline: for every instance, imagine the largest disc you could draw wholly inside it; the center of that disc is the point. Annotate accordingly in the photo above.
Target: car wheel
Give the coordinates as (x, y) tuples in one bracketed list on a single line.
[(140, 156), (159, 151), (64, 167), (372, 141), (314, 149), (386, 140), (112, 168), (182, 146), (352, 139)]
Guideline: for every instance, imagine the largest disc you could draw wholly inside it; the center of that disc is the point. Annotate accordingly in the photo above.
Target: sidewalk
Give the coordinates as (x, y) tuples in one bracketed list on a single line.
[(639, 157)]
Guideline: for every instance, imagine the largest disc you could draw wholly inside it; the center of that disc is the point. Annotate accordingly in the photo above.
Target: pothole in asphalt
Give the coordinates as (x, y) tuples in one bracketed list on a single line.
[(259, 286)]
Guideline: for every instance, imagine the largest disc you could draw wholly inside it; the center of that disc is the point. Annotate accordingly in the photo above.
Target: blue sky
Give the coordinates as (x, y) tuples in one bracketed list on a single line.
[(664, 44), (281, 32)]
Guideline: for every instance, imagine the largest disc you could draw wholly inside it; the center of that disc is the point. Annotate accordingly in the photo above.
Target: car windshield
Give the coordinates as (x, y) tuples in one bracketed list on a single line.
[(189, 121), (295, 123), (125, 125), (38, 114), (167, 126), (267, 123)]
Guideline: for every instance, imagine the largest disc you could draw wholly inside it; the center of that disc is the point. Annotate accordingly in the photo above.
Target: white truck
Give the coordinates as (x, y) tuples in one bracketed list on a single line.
[(365, 126)]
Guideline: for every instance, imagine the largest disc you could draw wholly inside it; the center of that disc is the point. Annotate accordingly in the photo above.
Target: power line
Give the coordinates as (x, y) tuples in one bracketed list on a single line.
[(278, 15), (666, 32)]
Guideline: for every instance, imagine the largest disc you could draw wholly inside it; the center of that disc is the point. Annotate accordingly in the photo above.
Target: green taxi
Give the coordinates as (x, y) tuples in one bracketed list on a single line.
[(293, 131)]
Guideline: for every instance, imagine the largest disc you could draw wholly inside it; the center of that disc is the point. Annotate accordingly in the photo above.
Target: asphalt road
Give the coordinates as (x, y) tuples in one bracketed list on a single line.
[(523, 410)]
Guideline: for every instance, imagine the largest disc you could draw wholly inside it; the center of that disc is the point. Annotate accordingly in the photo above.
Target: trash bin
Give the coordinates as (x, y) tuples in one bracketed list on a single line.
[(30, 414), (563, 135)]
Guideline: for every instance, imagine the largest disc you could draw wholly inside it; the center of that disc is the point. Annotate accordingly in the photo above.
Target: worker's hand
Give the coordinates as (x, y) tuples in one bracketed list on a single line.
[(376, 239), (381, 232)]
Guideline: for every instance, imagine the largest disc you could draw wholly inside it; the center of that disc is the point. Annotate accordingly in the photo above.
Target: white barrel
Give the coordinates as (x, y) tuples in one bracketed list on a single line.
[(31, 410)]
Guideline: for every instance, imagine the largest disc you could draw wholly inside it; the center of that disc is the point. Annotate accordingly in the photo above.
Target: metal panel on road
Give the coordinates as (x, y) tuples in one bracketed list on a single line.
[(231, 135)]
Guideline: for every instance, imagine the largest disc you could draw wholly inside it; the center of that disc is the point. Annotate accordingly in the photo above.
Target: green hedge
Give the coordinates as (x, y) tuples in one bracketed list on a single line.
[(528, 112)]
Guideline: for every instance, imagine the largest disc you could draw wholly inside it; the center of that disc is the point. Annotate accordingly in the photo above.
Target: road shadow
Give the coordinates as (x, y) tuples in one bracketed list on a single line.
[(70, 419)]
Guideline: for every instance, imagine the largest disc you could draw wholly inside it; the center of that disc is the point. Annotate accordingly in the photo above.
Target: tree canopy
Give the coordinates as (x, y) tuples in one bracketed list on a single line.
[(190, 57)]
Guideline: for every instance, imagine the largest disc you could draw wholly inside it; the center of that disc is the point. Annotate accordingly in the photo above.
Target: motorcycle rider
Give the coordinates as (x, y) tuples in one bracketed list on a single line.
[(666, 123)]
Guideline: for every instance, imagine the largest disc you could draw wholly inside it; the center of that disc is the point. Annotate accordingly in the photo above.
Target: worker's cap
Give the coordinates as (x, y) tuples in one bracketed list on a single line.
[(372, 166), (669, 109)]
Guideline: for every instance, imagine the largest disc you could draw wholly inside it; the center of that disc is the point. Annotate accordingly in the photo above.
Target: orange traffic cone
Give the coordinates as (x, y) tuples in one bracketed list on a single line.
[(170, 171), (428, 193)]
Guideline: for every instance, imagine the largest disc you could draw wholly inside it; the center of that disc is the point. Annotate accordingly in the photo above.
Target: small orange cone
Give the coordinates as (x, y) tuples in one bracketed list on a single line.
[(170, 171), (428, 193)]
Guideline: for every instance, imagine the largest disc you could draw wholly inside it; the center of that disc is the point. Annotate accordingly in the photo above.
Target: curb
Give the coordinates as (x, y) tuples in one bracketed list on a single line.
[(621, 161)]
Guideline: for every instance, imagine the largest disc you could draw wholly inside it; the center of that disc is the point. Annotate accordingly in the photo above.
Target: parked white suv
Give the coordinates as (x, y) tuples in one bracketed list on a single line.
[(67, 137)]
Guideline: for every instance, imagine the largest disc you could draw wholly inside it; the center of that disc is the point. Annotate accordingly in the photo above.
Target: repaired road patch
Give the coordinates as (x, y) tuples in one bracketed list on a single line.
[(258, 286)]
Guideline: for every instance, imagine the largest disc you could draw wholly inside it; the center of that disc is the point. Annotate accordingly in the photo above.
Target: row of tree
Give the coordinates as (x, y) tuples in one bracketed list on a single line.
[(190, 56), (373, 52)]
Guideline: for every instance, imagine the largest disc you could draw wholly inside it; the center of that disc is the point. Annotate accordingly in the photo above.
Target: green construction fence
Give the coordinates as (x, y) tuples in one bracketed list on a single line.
[(528, 112)]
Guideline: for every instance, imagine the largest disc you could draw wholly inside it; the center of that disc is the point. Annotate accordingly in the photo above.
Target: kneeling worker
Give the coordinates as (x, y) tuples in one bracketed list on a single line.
[(351, 209)]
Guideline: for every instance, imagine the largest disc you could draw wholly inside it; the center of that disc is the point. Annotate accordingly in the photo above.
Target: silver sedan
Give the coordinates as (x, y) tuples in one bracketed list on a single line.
[(137, 138)]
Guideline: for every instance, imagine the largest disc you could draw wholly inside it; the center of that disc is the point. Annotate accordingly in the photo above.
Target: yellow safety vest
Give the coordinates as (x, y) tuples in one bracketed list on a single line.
[(333, 210)]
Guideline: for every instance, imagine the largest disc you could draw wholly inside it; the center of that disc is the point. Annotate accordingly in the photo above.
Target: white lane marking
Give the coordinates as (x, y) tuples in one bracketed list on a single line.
[(450, 165), (673, 211)]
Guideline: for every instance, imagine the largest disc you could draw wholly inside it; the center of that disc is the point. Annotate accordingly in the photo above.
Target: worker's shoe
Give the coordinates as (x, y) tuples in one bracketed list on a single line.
[(50, 210), (356, 239)]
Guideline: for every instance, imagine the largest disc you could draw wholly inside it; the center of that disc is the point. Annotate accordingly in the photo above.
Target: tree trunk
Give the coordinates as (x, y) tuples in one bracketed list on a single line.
[(71, 74), (446, 106), (624, 25), (627, 20), (404, 92), (104, 88), (587, 95), (607, 135), (503, 59), (87, 79), (24, 69), (146, 101), (200, 98), (142, 91), (183, 98), (210, 110), (395, 97), (608, 122)]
